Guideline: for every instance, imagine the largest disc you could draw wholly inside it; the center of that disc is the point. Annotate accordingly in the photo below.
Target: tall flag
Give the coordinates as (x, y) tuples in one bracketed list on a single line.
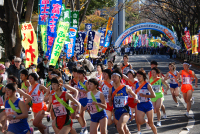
[(44, 12), (55, 8), (44, 37), (71, 44), (59, 42), (109, 25), (199, 41), (80, 47), (194, 44), (187, 41), (75, 20), (102, 39), (88, 27), (29, 42), (108, 38), (90, 40), (136, 41)]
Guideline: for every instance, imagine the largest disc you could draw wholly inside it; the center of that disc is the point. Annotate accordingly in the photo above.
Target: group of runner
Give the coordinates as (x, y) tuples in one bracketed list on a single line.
[(116, 96)]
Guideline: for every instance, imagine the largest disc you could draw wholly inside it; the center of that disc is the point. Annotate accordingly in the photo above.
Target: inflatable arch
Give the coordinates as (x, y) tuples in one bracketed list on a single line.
[(144, 26)]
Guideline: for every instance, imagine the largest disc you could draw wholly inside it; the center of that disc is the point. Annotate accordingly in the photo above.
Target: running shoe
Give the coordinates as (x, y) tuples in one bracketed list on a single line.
[(187, 114), (192, 100), (139, 132), (159, 123), (84, 131), (177, 104), (48, 118), (147, 125), (164, 116)]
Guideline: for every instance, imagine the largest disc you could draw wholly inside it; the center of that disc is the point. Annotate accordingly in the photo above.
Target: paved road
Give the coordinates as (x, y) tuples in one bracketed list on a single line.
[(176, 121)]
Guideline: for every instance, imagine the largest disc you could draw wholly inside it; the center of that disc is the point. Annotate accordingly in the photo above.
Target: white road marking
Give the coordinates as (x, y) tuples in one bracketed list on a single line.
[(191, 122)]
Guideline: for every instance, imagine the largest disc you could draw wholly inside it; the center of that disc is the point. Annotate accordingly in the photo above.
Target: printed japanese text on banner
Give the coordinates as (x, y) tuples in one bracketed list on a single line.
[(44, 12), (29, 42), (90, 41)]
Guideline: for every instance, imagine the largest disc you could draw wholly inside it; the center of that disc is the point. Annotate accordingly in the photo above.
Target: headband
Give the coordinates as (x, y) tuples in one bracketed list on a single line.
[(54, 75), (187, 64), (116, 74)]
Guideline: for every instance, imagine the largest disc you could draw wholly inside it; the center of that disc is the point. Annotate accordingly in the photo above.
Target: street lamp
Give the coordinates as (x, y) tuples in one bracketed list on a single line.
[(1, 2)]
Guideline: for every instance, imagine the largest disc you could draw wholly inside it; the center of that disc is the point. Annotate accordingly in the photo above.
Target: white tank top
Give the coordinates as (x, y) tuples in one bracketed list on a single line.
[(90, 106), (37, 95), (105, 90), (172, 79)]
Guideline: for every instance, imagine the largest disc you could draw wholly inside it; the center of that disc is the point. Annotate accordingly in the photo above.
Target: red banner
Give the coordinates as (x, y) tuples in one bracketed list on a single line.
[(187, 41)]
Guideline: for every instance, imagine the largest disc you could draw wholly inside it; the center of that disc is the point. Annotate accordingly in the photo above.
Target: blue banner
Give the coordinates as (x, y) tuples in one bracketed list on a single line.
[(104, 30), (55, 8), (44, 12), (90, 42), (102, 39), (79, 45), (69, 46), (108, 38), (88, 27)]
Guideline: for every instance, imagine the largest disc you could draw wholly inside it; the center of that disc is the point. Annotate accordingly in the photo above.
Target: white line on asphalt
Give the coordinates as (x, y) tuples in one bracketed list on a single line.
[(147, 60), (191, 122)]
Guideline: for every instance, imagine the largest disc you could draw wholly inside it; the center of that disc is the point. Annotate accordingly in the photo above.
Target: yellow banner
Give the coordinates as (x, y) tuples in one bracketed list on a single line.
[(194, 44), (29, 42), (59, 42), (109, 25)]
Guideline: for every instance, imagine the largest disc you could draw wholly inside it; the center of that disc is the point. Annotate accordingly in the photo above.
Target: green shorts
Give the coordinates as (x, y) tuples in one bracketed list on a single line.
[(158, 95)]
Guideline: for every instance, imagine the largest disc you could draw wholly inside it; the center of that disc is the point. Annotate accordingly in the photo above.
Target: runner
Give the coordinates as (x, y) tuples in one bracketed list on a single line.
[(60, 103), (105, 85), (172, 74), (157, 83), (125, 66), (99, 72), (82, 88), (187, 77), (131, 81), (155, 64), (96, 104), (38, 107), (119, 100), (24, 77), (49, 78), (2, 98), (16, 112), (144, 92), (110, 65)]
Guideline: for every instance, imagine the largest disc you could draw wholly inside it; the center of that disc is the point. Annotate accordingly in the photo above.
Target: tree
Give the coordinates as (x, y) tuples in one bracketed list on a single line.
[(9, 22)]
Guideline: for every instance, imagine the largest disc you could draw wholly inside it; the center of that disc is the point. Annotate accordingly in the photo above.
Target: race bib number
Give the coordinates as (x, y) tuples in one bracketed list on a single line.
[(142, 99), (120, 101), (156, 88), (35, 99), (10, 112), (59, 109), (92, 108), (106, 96), (82, 95), (1, 101), (186, 80)]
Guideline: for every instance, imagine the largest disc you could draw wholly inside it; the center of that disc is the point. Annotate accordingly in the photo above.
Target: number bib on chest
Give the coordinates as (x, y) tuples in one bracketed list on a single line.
[(142, 99), (59, 109), (82, 95), (187, 80), (156, 88), (120, 101), (11, 112), (35, 99), (92, 108)]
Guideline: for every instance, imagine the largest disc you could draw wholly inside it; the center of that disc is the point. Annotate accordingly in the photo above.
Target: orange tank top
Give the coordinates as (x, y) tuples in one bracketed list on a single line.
[(186, 79)]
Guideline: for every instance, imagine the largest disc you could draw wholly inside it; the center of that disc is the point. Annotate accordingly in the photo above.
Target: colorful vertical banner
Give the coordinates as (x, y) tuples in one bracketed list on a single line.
[(88, 27), (74, 19), (187, 41), (109, 25), (55, 8), (102, 40), (108, 38), (199, 41), (70, 45), (194, 44), (81, 38), (133, 37), (67, 14), (44, 12), (44, 37), (136, 41), (90, 40), (95, 49), (59, 42), (62, 13), (29, 42)]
